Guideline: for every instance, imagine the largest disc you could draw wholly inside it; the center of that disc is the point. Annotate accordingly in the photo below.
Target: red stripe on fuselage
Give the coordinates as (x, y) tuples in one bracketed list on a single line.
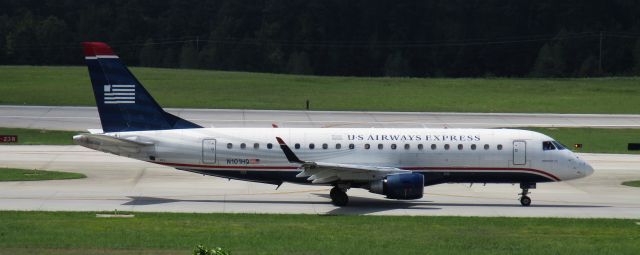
[(438, 169)]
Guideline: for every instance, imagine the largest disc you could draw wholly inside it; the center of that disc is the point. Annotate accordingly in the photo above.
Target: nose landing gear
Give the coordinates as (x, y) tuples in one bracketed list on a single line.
[(524, 199)]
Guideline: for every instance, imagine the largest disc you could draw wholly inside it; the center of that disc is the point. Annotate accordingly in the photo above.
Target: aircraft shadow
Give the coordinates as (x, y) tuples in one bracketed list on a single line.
[(357, 205), (159, 200)]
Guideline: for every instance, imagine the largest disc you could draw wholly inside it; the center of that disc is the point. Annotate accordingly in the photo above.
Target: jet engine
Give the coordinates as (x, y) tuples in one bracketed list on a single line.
[(399, 186)]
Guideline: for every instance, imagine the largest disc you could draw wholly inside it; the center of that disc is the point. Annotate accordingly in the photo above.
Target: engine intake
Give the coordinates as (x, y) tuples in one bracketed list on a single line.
[(399, 186)]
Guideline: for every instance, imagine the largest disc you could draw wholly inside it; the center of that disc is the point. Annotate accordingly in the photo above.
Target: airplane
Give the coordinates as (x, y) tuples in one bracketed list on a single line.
[(395, 162)]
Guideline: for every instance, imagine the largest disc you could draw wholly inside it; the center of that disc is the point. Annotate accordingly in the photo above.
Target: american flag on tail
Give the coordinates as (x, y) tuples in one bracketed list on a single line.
[(119, 94)]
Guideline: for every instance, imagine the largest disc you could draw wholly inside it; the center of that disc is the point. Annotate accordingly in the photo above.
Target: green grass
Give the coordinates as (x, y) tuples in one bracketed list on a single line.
[(12, 174), (74, 232), (214, 89), (39, 136), (594, 140), (632, 183)]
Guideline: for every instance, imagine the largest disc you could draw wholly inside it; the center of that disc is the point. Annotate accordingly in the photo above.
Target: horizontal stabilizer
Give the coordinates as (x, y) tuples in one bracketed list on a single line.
[(98, 139)]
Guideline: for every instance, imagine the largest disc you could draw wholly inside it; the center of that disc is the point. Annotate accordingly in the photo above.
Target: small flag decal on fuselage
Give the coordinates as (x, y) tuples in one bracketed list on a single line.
[(119, 94)]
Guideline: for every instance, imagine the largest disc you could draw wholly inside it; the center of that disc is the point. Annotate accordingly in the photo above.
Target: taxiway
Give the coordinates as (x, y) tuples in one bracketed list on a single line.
[(82, 118), (118, 183)]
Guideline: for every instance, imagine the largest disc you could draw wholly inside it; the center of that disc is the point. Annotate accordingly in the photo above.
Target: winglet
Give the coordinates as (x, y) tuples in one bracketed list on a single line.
[(288, 152)]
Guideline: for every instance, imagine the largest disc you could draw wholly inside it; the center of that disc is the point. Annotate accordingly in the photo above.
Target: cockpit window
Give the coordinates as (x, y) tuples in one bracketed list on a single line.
[(547, 146), (559, 145)]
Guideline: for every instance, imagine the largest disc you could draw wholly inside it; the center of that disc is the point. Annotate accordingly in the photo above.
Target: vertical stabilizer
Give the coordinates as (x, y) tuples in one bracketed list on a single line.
[(123, 103)]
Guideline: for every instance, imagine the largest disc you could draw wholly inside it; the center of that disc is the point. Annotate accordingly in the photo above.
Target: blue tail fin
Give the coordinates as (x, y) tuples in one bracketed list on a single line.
[(123, 103)]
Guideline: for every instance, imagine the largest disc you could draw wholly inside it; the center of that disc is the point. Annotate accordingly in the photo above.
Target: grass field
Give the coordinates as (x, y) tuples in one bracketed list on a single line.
[(214, 89), (12, 174), (38, 136), (594, 140), (632, 183), (167, 233)]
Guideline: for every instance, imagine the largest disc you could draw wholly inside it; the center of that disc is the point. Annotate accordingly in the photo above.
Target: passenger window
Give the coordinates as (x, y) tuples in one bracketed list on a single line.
[(338, 146), (460, 146), (243, 146), (380, 146), (473, 147), (547, 146), (312, 146), (486, 146), (229, 145), (393, 146), (446, 146), (406, 146), (433, 146), (297, 146), (269, 146), (325, 146), (367, 146), (256, 146), (420, 147), (499, 147), (352, 146)]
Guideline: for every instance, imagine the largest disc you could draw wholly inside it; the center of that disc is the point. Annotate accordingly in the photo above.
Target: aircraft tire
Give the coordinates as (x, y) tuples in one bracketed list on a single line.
[(333, 192), (339, 197), (525, 201)]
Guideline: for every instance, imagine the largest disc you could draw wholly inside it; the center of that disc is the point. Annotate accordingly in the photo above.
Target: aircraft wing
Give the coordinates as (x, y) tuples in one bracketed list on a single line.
[(319, 172)]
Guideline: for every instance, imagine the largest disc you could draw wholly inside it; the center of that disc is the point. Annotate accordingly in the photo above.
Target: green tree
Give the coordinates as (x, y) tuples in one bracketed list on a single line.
[(550, 61), (299, 64), (188, 56), (636, 58), (169, 58), (53, 34), (396, 65), (149, 55), (4, 27), (589, 67), (22, 46)]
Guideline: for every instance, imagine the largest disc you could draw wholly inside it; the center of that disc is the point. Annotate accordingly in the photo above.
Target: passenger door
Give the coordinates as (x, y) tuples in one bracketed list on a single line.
[(209, 151), (519, 152)]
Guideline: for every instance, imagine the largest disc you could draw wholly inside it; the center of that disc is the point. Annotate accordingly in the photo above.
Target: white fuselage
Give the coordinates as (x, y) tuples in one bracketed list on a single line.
[(442, 155)]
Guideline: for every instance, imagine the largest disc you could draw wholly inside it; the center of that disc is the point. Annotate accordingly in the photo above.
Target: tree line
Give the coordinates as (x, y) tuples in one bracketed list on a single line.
[(452, 38)]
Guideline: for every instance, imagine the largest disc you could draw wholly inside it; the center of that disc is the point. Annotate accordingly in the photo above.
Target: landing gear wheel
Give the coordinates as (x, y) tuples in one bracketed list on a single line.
[(338, 197), (524, 199), (333, 192)]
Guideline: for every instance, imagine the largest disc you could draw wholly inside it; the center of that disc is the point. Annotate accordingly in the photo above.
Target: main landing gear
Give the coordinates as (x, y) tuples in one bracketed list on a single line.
[(339, 196), (524, 199)]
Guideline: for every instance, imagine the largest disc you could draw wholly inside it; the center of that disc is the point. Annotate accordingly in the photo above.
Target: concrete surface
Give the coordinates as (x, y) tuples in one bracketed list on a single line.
[(82, 118), (128, 185)]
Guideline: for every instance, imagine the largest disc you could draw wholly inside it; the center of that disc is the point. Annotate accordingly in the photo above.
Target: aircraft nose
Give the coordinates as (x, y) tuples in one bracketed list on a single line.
[(587, 169)]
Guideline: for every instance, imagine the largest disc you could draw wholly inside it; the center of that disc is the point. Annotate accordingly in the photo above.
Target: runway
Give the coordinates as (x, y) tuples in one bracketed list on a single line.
[(82, 118), (129, 185)]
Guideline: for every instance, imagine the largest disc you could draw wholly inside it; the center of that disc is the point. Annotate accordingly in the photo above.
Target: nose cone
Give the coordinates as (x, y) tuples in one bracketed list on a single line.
[(586, 169)]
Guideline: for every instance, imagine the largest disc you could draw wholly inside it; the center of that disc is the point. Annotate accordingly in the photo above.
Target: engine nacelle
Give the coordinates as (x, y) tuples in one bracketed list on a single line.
[(399, 186)]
